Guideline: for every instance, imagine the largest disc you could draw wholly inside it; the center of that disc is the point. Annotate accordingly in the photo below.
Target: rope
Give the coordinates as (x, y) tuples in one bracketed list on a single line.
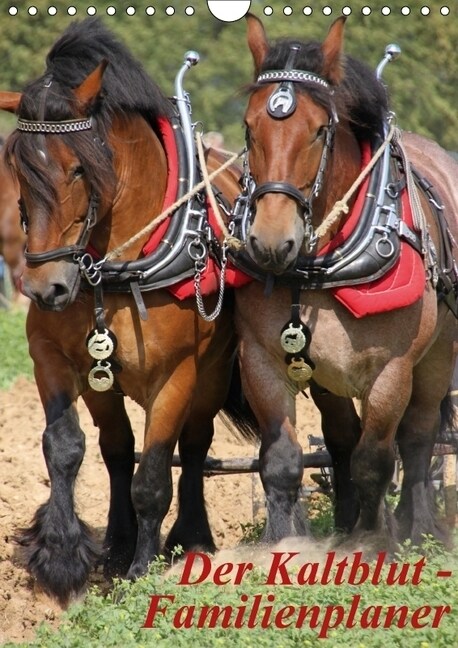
[(150, 227), (341, 206), (231, 241)]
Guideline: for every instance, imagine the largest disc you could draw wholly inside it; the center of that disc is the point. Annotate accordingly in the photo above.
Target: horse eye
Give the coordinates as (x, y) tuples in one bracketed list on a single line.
[(321, 132), (78, 172)]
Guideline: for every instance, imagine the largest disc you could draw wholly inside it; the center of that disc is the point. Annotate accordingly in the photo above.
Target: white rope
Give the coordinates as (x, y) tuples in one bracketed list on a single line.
[(150, 227), (231, 241), (341, 206)]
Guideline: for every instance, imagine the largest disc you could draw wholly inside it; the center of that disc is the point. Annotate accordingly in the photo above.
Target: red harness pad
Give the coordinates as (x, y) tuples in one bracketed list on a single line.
[(401, 286), (209, 279), (210, 276)]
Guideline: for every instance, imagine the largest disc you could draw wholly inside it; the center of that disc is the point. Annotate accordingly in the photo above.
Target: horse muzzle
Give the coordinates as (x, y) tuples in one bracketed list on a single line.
[(276, 259), (52, 286)]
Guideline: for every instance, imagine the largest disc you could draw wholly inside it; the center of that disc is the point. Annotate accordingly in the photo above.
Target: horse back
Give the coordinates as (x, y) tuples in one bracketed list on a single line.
[(436, 165)]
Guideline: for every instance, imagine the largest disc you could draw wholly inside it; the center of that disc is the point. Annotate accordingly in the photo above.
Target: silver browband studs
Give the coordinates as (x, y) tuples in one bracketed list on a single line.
[(51, 127), (298, 76)]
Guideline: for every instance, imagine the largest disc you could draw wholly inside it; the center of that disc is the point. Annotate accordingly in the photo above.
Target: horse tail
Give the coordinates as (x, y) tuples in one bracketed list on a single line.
[(236, 413)]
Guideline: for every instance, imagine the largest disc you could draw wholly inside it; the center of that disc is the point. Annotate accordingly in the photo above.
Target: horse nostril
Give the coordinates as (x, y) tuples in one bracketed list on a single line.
[(258, 251), (59, 290), (284, 250), (55, 294), (254, 243)]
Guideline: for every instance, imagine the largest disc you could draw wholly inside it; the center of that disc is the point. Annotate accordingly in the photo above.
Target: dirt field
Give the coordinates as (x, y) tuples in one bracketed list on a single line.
[(24, 485)]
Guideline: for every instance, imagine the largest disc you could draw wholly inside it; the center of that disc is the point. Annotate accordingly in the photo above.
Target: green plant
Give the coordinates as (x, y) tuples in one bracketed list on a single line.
[(14, 357), (252, 531), (118, 619), (320, 511)]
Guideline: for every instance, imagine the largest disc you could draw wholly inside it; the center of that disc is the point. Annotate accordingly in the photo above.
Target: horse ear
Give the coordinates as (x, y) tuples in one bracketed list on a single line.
[(257, 40), (88, 91), (10, 101), (332, 49)]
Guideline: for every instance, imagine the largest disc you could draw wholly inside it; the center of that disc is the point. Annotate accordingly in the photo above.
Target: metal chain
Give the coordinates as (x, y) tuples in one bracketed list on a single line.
[(200, 267)]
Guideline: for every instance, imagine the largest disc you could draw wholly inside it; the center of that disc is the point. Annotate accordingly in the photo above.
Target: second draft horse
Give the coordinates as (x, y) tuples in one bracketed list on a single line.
[(315, 118)]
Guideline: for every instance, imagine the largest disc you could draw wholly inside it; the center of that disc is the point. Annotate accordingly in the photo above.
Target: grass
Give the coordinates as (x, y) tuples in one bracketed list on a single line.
[(118, 618), (14, 356)]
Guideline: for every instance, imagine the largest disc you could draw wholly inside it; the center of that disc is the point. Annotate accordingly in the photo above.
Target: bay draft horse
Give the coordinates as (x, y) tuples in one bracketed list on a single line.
[(12, 236), (87, 128), (309, 111)]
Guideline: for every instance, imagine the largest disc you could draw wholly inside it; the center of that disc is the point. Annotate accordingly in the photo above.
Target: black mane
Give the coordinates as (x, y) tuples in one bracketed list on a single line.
[(83, 45), (360, 98), (126, 89)]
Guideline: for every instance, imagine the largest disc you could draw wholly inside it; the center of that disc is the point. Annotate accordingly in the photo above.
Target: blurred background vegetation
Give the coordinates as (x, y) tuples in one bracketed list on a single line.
[(423, 83)]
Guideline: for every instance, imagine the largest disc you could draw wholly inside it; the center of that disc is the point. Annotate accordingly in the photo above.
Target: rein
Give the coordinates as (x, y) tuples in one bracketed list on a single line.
[(157, 220), (341, 206)]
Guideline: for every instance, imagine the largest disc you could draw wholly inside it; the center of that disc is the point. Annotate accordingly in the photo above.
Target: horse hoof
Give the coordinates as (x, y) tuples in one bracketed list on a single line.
[(117, 561)]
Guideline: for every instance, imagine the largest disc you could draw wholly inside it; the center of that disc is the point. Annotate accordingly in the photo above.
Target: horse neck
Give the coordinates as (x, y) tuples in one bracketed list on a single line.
[(227, 182), (344, 166), (141, 171)]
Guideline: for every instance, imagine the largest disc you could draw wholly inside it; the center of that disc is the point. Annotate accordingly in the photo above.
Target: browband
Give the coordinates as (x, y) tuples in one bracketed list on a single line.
[(298, 76), (66, 126)]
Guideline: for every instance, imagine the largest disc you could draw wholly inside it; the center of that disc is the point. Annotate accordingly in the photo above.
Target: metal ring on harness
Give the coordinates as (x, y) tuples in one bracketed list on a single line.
[(197, 250), (385, 241)]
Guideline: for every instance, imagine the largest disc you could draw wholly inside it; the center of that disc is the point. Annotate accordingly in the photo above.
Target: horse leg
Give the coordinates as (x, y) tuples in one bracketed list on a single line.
[(416, 437), (59, 548), (152, 483), (191, 529), (341, 428), (281, 465), (372, 462), (117, 445)]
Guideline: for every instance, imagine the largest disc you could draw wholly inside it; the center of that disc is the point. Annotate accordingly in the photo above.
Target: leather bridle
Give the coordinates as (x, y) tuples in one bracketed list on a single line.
[(46, 127), (75, 251), (285, 95)]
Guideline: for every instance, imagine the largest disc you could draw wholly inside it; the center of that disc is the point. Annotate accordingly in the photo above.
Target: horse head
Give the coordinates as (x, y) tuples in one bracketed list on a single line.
[(58, 204), (83, 134), (302, 149)]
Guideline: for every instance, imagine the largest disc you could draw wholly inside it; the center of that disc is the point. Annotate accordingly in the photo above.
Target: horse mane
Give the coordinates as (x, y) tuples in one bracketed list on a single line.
[(126, 90), (360, 98)]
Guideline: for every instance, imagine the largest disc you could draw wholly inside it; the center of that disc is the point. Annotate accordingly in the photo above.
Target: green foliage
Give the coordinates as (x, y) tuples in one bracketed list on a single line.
[(117, 619), (422, 84), (14, 358), (252, 531), (320, 512)]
